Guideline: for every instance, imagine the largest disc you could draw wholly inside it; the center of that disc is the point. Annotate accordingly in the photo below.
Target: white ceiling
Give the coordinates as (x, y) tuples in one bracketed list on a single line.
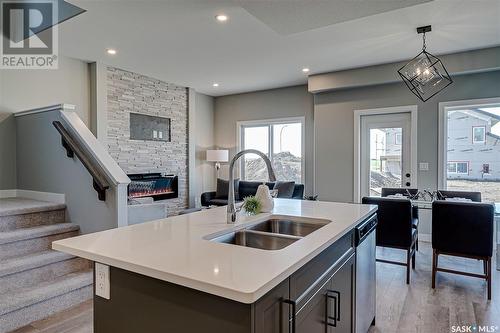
[(179, 41)]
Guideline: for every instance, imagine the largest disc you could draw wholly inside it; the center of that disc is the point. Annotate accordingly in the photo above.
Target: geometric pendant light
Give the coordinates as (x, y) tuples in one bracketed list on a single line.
[(425, 75)]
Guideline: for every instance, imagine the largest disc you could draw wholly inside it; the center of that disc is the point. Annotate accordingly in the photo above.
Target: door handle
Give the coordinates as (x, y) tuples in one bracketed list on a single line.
[(292, 320), (336, 307)]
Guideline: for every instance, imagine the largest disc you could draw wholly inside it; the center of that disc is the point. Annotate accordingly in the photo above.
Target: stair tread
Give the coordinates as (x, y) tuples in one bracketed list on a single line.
[(12, 301), (31, 261), (17, 206), (35, 232)]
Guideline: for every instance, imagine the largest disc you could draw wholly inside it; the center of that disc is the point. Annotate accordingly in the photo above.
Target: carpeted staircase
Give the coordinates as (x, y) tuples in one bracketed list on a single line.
[(36, 281)]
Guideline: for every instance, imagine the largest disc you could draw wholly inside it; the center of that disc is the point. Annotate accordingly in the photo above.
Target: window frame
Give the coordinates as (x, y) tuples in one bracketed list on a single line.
[(240, 125), (483, 141), (467, 163), (400, 136), (444, 108)]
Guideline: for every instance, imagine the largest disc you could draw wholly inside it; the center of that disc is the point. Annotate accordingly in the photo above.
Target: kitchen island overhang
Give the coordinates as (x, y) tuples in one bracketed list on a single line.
[(176, 249)]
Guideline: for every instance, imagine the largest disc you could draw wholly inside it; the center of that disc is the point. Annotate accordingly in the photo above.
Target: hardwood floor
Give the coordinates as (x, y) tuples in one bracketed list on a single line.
[(457, 300), (75, 320), (414, 308)]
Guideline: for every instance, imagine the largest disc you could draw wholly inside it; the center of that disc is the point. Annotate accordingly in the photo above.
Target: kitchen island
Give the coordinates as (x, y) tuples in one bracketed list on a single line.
[(186, 274)]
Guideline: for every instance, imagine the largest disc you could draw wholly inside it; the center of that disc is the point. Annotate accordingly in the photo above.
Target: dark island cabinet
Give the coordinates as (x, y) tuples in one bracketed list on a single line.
[(340, 298), (272, 313), (317, 298), (331, 308), (324, 304)]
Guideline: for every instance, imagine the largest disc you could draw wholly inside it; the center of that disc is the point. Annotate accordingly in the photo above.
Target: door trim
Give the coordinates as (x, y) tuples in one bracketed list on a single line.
[(413, 110), (443, 130)]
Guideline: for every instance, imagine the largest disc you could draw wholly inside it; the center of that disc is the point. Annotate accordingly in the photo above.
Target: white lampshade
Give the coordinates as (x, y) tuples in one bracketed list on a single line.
[(219, 155)]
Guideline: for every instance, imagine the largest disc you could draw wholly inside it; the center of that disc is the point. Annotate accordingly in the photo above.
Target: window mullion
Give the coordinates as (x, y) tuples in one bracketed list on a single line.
[(271, 142)]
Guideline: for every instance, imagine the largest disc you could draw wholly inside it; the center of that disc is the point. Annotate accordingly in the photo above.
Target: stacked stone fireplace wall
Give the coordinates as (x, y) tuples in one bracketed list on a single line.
[(130, 92)]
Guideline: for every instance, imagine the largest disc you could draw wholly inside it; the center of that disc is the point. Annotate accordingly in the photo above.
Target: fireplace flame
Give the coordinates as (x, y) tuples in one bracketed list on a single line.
[(140, 194)]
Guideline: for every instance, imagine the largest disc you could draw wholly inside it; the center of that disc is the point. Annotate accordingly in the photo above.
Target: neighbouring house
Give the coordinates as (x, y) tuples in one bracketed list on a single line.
[(473, 145)]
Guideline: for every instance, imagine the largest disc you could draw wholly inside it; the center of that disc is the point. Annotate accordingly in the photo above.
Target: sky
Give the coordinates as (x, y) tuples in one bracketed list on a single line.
[(495, 110), (287, 137)]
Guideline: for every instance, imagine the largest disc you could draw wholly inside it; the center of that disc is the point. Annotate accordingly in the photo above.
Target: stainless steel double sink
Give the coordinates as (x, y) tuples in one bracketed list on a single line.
[(272, 234)]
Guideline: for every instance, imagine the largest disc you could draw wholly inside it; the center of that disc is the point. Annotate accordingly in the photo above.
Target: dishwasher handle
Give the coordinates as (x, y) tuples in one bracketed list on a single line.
[(362, 231)]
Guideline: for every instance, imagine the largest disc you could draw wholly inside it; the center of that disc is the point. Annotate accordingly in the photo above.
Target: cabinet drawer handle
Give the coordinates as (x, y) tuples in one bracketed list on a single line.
[(292, 320), (335, 296)]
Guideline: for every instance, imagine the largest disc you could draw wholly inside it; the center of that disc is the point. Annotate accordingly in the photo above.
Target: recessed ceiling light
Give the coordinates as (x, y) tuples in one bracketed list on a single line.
[(305, 70), (215, 85), (111, 51), (221, 17)]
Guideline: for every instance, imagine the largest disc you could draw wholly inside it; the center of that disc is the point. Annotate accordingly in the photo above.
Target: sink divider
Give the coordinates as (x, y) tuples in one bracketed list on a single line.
[(273, 234)]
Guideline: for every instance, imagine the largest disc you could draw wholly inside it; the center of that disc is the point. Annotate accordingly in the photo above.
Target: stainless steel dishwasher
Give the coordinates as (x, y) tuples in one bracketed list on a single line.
[(365, 274)]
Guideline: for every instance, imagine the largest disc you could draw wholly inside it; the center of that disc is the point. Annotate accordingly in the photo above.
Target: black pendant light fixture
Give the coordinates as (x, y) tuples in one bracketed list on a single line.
[(425, 75)]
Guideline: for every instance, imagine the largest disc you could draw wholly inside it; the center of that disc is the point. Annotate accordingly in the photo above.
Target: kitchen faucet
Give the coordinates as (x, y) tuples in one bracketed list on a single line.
[(231, 209)]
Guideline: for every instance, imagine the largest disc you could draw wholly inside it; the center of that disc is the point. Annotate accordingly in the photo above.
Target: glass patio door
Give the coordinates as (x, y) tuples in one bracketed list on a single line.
[(385, 152)]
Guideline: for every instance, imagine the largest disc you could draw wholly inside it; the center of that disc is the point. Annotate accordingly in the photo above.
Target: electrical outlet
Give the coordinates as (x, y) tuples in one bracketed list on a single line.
[(102, 280)]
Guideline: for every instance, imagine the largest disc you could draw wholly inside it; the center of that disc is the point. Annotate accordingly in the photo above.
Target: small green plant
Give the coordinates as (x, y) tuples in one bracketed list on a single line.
[(252, 205)]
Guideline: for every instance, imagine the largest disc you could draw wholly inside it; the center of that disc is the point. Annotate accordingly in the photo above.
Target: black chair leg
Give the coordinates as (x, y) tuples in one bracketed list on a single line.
[(413, 260), (416, 245), (488, 274), (485, 266), (408, 259), (434, 266)]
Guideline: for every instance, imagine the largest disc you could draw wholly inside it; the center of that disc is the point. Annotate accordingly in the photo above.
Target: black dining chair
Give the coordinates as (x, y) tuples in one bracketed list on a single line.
[(463, 229), (406, 192), (395, 228), (473, 196)]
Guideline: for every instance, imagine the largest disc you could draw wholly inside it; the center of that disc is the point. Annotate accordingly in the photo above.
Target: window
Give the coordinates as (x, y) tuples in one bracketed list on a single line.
[(479, 134), (486, 169), (460, 168), (399, 138), (281, 141), (469, 155)]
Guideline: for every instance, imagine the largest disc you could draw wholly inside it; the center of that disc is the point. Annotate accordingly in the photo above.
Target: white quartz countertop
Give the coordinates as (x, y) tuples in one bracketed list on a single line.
[(175, 249)]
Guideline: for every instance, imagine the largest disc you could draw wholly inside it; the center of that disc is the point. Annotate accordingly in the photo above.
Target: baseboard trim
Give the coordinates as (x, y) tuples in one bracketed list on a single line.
[(8, 194), (35, 195)]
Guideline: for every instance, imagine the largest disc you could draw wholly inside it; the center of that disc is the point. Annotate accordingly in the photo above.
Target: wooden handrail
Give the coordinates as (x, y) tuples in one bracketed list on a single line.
[(72, 147)]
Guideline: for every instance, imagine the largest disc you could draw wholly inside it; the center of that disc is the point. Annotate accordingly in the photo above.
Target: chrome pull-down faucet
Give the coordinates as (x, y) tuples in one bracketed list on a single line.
[(231, 209)]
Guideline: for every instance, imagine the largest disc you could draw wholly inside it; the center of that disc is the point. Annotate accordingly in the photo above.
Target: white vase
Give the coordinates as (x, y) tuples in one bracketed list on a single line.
[(264, 196)]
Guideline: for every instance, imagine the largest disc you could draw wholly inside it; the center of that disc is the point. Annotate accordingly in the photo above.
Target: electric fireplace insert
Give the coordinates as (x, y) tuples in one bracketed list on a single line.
[(156, 185)]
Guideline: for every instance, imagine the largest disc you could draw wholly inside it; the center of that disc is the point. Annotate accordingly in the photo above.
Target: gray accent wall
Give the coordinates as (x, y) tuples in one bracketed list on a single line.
[(475, 61), (42, 165), (334, 128), (204, 176), (269, 104), (7, 151), (30, 89)]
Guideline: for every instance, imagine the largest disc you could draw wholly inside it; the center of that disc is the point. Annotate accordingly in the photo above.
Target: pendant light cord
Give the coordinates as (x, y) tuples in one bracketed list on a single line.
[(424, 46)]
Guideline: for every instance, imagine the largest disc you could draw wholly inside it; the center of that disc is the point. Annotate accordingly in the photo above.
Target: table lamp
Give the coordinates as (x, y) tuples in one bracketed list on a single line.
[(217, 156)]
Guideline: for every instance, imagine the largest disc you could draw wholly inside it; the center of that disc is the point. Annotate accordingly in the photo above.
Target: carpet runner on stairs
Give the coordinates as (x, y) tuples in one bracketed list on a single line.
[(36, 281)]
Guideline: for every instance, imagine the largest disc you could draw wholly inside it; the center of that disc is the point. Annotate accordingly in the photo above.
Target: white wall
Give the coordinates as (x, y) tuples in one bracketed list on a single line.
[(269, 104), (204, 139), (28, 89)]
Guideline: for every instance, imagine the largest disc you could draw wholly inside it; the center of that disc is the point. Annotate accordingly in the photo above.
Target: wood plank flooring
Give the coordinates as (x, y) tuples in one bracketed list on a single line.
[(75, 320), (417, 308)]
